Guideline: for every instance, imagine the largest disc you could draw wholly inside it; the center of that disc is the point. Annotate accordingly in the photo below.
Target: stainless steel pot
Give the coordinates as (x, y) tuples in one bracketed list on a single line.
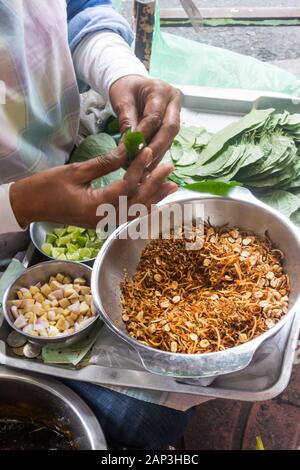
[(51, 402), (120, 253), (41, 273)]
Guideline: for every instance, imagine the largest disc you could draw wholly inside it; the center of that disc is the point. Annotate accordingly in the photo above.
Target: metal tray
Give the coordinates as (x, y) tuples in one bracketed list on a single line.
[(115, 363)]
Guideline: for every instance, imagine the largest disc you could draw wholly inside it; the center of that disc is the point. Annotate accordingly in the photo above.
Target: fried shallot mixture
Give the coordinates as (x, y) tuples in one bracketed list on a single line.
[(205, 300)]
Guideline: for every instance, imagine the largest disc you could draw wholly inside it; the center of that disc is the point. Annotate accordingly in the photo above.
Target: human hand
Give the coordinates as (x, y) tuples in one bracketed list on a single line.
[(150, 106), (64, 195)]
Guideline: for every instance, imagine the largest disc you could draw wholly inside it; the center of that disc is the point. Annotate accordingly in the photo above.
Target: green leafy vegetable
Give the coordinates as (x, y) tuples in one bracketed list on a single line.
[(261, 150), (283, 201), (93, 146), (218, 188)]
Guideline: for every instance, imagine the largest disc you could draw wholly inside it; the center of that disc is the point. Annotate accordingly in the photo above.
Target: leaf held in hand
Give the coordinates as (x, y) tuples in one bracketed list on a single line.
[(134, 142)]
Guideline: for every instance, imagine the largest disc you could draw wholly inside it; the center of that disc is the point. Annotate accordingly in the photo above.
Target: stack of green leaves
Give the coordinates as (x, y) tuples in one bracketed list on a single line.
[(72, 244), (261, 151)]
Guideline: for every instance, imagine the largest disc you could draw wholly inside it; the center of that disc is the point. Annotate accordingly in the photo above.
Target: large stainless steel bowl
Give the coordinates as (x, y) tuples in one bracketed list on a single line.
[(48, 401), (41, 273), (121, 253)]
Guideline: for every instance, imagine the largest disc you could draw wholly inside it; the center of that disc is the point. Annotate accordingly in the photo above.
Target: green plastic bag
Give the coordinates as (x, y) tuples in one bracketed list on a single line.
[(185, 62)]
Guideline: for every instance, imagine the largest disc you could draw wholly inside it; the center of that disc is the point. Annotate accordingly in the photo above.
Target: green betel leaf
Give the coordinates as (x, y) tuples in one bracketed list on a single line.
[(283, 201), (134, 142), (249, 122), (218, 188), (93, 146), (96, 146)]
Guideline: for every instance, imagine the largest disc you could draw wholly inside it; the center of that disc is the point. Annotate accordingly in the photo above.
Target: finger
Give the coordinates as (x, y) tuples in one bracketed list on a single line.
[(162, 193), (86, 172), (138, 167), (165, 190), (163, 139), (154, 112), (127, 114), (131, 180), (153, 183)]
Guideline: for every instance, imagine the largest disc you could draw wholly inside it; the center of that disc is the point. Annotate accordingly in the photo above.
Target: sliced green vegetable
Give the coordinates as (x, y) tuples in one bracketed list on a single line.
[(59, 231), (75, 244), (47, 248), (51, 238)]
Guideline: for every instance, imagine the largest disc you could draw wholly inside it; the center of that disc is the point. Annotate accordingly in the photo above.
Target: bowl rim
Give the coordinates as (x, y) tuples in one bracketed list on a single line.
[(138, 346), (41, 339), (39, 248)]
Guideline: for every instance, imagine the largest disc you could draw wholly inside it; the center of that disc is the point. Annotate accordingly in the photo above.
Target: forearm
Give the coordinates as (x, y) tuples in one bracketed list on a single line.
[(102, 58)]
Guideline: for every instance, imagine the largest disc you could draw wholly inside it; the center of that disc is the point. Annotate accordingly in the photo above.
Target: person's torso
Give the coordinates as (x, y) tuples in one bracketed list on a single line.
[(39, 119)]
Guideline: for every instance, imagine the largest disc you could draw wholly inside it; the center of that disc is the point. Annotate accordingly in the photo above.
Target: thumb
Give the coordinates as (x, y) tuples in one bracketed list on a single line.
[(102, 165)]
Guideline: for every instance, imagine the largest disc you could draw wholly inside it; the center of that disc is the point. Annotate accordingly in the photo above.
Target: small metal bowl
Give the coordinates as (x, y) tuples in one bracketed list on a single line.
[(41, 273), (38, 235)]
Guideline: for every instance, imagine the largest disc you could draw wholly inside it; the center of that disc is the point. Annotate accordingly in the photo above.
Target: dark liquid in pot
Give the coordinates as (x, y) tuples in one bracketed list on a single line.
[(24, 434)]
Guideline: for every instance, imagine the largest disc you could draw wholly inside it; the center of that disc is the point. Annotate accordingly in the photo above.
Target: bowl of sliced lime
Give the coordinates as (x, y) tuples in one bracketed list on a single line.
[(66, 242)]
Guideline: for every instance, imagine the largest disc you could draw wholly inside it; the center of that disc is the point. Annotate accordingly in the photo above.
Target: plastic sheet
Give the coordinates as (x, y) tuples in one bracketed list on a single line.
[(185, 62)]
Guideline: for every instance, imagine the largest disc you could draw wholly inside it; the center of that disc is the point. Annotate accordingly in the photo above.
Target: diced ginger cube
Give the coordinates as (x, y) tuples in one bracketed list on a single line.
[(67, 280), (74, 316), (69, 291), (20, 295), (62, 324), (39, 311), (84, 308), (27, 304), (66, 312), (54, 285), (31, 317), (70, 320), (39, 297), (80, 280), (88, 299), (27, 295), (85, 290), (64, 303), (34, 290), (45, 290), (60, 277)]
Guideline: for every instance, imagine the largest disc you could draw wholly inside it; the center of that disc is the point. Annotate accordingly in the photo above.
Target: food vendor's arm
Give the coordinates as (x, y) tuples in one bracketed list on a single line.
[(64, 195), (99, 40)]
